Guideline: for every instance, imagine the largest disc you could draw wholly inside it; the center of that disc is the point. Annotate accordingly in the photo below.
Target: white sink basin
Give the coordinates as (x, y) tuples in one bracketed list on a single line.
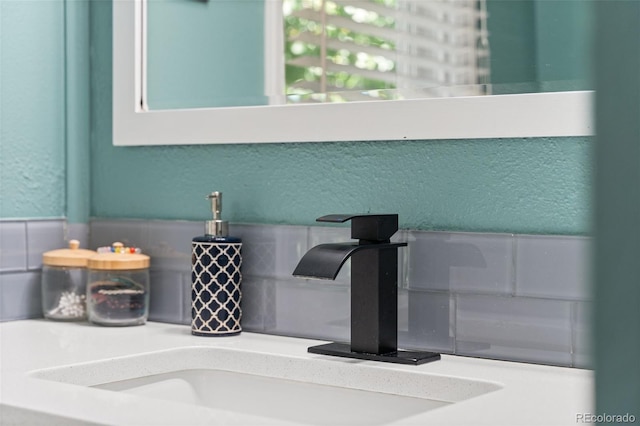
[(299, 402), (302, 390)]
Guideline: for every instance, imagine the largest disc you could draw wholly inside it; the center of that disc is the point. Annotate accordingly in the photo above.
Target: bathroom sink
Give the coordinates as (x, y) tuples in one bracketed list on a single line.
[(57, 373), (306, 403), (303, 390)]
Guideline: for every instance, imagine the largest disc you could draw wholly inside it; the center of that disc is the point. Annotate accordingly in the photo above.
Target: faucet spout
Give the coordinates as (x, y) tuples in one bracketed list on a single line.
[(324, 261)]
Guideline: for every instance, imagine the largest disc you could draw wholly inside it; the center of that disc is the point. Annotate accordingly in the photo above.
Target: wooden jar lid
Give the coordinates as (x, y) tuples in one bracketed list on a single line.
[(73, 256), (119, 260)]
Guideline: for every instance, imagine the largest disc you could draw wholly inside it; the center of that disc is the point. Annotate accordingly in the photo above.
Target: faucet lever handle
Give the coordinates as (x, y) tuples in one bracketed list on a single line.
[(376, 228)]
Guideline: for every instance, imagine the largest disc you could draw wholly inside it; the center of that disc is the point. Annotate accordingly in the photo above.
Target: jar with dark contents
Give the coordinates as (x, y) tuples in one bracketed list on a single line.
[(64, 281), (118, 286)]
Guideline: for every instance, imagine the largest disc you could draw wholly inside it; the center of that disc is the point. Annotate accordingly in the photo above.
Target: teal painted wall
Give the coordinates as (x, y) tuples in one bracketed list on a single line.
[(511, 27), (564, 42), (78, 93), (32, 109), (542, 45), (515, 185), (44, 109), (195, 49)]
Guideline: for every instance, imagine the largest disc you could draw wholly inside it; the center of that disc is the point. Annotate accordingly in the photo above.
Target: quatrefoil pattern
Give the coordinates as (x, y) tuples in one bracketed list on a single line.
[(215, 288)]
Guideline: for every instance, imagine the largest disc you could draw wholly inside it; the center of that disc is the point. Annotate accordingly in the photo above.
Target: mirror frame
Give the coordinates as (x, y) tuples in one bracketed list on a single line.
[(478, 117)]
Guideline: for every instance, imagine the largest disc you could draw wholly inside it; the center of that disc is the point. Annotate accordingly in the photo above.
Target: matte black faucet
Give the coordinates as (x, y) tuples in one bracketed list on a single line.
[(374, 288)]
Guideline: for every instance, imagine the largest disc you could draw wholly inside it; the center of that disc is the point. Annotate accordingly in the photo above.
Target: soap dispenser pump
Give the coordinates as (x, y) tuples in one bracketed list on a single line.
[(215, 277)]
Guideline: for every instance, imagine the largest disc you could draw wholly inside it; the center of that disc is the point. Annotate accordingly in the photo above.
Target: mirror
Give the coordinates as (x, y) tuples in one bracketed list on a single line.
[(269, 52), (411, 113)]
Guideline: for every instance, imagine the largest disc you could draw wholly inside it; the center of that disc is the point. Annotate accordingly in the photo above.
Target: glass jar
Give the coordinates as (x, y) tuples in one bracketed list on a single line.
[(118, 287), (64, 278)]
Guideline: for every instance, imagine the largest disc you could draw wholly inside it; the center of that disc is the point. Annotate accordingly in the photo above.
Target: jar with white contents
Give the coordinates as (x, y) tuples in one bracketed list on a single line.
[(118, 286), (64, 281)]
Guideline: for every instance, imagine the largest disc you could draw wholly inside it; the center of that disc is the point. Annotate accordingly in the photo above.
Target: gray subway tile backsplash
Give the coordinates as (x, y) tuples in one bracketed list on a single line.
[(582, 320), (271, 251), (258, 303), (167, 295), (312, 308), (20, 295), (169, 244), (458, 290), (430, 320), (13, 246), (22, 243), (554, 267), (43, 236), (78, 231), (523, 298), (514, 328), (478, 263), (131, 233)]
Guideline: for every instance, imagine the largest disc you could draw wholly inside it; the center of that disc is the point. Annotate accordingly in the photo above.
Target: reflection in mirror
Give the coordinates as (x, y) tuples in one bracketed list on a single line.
[(206, 53), (358, 50)]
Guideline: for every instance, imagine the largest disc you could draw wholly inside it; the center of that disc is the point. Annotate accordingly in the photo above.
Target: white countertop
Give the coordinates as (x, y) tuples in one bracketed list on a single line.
[(529, 394)]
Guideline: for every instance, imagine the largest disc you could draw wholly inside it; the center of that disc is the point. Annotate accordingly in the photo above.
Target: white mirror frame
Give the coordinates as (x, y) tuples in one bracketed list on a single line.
[(496, 116)]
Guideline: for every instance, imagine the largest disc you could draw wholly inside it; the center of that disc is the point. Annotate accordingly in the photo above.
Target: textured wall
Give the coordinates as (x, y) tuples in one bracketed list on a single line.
[(506, 185), (32, 111), (523, 185), (187, 70)]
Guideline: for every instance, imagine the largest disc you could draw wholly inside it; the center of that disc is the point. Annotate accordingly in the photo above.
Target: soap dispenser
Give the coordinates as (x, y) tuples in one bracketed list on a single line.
[(216, 277)]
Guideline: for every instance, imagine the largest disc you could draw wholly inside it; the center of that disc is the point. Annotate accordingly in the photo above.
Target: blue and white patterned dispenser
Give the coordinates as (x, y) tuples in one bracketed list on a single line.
[(216, 277)]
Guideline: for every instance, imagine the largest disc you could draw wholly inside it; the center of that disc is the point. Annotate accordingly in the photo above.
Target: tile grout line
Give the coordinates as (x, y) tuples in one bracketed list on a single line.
[(573, 312), (454, 329), (514, 264), (27, 267)]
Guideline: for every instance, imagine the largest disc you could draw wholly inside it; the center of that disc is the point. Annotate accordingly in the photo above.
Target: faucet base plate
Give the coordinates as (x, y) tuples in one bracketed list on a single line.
[(398, 357)]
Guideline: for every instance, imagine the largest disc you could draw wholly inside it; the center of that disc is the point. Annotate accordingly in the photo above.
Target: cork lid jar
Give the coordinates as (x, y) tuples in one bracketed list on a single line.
[(64, 281), (118, 286)]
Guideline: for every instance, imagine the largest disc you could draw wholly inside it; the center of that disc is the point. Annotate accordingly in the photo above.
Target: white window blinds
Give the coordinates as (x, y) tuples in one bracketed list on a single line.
[(343, 50)]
